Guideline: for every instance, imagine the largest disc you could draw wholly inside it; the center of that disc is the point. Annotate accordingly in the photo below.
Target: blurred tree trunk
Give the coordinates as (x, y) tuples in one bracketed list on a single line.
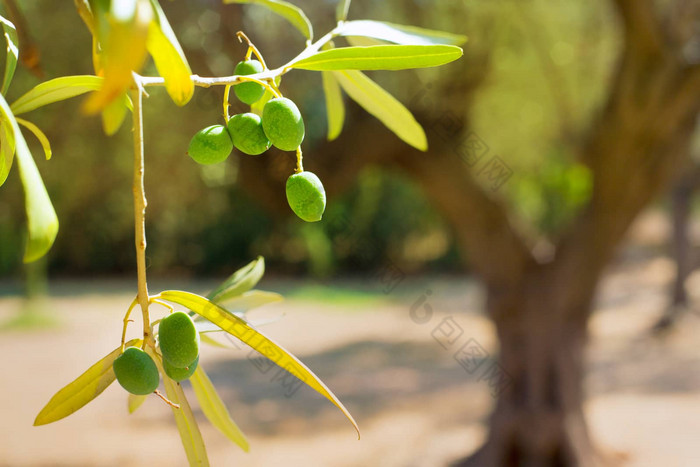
[(681, 201)]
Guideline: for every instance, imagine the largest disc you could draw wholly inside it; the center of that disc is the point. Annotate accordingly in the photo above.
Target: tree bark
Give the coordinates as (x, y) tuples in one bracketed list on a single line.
[(538, 419)]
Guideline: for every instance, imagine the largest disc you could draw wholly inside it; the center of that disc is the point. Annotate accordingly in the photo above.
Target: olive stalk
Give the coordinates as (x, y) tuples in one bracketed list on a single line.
[(267, 75), (140, 204)]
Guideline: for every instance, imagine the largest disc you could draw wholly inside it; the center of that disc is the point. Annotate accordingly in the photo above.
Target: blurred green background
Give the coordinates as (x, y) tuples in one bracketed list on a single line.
[(539, 72)]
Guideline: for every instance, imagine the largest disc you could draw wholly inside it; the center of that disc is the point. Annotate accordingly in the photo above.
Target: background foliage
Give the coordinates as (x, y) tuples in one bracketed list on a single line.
[(544, 66)]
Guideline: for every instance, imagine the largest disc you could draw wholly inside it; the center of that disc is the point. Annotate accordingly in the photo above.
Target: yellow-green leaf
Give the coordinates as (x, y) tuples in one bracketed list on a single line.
[(341, 11), (213, 342), (134, 402), (84, 389), (214, 408), (113, 114), (7, 150), (257, 107), (12, 53), (42, 223), (249, 300), (169, 58), (123, 46), (184, 419), (291, 13), (380, 57), (384, 106), (398, 33), (239, 328), (39, 135), (240, 281), (55, 90), (335, 108)]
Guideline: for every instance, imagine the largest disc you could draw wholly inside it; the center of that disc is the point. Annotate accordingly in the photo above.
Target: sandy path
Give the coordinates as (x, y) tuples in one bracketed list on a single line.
[(416, 406)]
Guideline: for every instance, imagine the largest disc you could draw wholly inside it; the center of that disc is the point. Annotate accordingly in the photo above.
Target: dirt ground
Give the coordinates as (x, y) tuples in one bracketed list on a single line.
[(415, 404)]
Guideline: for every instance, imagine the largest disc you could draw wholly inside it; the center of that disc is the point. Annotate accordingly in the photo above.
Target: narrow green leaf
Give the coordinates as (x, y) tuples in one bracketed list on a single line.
[(341, 11), (291, 13), (380, 57), (240, 304), (362, 41), (12, 53), (134, 402), (384, 106), (257, 107), (184, 418), (399, 34), (214, 408), (55, 90), (240, 281), (84, 389), (169, 58), (239, 328), (42, 223), (114, 113), (7, 150), (335, 108), (39, 135), (211, 341)]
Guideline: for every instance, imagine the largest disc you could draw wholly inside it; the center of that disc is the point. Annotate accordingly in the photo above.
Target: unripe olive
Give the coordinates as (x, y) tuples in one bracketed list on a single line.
[(180, 374), (136, 371), (178, 339), (306, 196), (248, 92), (283, 124), (247, 133), (210, 145)]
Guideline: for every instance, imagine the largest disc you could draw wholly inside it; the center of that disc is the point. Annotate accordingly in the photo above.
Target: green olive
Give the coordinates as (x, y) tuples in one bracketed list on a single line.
[(283, 124), (247, 133), (178, 339), (248, 92), (180, 374), (136, 371), (306, 196), (211, 145)]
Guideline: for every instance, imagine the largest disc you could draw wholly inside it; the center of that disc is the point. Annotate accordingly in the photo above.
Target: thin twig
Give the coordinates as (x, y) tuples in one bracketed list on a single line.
[(140, 204), (166, 400)]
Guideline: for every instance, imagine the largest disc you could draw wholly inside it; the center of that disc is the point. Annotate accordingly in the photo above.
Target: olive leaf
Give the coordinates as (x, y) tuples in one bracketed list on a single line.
[(190, 435), (122, 34), (214, 408), (7, 150), (290, 12), (239, 328), (240, 281), (398, 33), (335, 109), (42, 223), (82, 390), (135, 401), (12, 52), (375, 100), (39, 135), (341, 11), (380, 57), (169, 58), (55, 90)]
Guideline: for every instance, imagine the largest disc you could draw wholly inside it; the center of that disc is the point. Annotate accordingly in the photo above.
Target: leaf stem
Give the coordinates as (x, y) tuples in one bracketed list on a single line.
[(300, 158), (206, 82), (140, 204), (127, 320)]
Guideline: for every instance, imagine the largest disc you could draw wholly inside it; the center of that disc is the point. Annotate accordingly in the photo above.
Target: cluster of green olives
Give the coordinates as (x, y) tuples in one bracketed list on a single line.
[(178, 340), (281, 125)]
